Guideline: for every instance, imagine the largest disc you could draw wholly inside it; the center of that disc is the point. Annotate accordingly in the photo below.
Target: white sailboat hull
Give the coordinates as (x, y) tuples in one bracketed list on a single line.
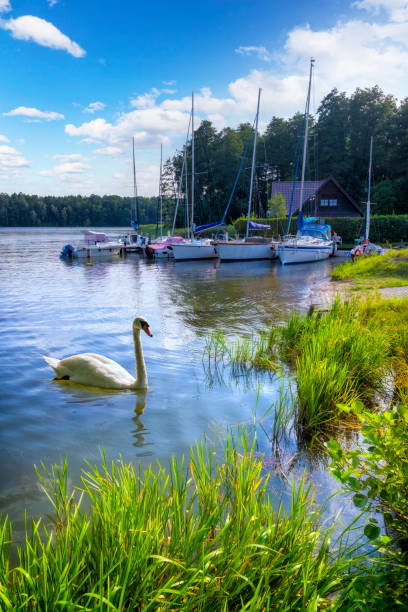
[(240, 251), (194, 250), (297, 251)]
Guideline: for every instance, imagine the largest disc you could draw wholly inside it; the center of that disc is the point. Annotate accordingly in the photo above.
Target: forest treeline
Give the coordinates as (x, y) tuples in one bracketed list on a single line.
[(338, 145)]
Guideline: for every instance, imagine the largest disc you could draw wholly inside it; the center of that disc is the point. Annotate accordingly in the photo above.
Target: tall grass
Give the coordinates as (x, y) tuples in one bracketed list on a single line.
[(389, 269), (202, 536), (256, 352), (346, 354)]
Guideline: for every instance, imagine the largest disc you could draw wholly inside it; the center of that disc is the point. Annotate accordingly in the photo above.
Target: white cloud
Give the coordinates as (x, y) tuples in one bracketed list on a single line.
[(112, 151), (3, 138), (261, 52), (66, 171), (93, 107), (147, 100), (5, 6), (52, 2), (396, 9), (149, 126), (70, 157), (169, 83), (349, 54), (42, 32), (10, 159), (34, 113)]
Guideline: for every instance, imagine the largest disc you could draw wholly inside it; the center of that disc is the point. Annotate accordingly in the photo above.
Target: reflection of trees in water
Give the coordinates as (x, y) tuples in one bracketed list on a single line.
[(222, 296), (236, 296)]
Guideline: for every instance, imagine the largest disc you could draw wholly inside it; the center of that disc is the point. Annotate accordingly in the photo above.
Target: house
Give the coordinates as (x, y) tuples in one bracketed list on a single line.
[(324, 198)]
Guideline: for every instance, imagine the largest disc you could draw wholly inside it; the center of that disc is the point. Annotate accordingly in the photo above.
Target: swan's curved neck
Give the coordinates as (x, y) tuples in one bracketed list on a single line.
[(141, 375)]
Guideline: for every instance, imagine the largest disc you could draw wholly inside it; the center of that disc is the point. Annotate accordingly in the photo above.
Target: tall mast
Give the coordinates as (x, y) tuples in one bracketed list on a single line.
[(160, 190), (306, 133), (192, 163), (367, 228), (135, 200), (253, 165)]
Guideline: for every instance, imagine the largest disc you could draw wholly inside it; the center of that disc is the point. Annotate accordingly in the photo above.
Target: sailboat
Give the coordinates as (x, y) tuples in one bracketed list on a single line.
[(134, 241), (194, 248), (159, 247), (367, 247), (313, 241), (250, 248)]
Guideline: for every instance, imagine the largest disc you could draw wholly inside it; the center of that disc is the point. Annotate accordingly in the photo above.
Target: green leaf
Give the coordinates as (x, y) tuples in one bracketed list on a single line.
[(359, 500), (371, 531)]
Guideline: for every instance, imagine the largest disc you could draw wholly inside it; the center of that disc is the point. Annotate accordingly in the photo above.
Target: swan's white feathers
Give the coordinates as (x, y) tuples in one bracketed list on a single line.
[(99, 371), (95, 370)]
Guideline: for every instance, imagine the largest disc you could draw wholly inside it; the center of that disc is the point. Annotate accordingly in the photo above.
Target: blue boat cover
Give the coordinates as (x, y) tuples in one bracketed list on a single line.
[(300, 220), (310, 220), (135, 225), (253, 225), (201, 228)]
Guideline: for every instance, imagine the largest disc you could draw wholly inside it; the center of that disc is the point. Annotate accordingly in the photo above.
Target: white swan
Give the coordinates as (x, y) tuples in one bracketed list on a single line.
[(99, 371)]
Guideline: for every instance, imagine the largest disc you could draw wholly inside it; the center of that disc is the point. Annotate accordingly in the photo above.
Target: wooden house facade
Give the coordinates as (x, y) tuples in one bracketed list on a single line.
[(325, 198)]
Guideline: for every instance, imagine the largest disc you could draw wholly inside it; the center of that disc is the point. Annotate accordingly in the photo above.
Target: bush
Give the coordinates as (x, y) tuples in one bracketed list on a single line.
[(383, 228)]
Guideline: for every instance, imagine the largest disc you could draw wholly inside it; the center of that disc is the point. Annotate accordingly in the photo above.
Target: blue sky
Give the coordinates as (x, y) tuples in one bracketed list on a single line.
[(79, 79)]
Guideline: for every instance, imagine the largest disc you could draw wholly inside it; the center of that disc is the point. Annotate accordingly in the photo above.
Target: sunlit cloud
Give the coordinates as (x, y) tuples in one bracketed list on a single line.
[(70, 157), (260, 52), (112, 151), (33, 113), (396, 9), (5, 6), (67, 170), (3, 138), (42, 32), (147, 100), (11, 159), (94, 107)]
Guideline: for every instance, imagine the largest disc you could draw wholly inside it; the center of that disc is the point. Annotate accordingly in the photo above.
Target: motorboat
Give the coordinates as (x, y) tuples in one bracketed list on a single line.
[(94, 244)]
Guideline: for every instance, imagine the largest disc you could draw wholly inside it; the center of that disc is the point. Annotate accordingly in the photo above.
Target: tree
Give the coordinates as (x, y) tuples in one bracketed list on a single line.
[(277, 206)]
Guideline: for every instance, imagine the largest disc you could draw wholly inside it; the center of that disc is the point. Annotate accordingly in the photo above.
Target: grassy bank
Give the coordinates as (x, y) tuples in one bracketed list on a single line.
[(349, 353), (199, 537), (387, 270)]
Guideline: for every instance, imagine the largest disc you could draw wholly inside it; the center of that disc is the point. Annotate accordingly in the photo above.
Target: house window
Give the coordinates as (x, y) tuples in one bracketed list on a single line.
[(332, 202), (324, 202)]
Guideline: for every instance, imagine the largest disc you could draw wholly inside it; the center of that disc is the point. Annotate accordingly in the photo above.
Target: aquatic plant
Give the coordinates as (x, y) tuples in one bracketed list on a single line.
[(202, 536), (349, 352), (376, 474), (255, 352)]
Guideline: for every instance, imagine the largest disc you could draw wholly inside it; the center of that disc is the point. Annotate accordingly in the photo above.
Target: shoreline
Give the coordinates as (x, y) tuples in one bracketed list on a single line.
[(323, 292)]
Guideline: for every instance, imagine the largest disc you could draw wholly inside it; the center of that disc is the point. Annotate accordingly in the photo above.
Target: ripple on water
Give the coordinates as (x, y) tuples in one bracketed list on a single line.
[(51, 307)]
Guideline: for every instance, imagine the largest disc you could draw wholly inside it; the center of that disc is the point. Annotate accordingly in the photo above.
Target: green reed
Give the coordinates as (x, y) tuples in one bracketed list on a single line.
[(257, 352), (201, 535), (345, 354)]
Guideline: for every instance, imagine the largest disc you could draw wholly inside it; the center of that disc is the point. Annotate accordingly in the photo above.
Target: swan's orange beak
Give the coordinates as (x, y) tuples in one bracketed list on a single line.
[(146, 329)]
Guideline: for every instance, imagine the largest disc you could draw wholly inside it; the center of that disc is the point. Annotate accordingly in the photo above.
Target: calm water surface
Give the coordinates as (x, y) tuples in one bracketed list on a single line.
[(57, 308)]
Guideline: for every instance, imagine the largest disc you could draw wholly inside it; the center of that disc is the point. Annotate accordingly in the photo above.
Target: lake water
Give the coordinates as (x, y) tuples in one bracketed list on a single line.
[(57, 308)]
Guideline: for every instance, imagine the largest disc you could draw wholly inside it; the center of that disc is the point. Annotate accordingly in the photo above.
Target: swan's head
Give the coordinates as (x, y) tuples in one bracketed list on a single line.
[(141, 323)]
